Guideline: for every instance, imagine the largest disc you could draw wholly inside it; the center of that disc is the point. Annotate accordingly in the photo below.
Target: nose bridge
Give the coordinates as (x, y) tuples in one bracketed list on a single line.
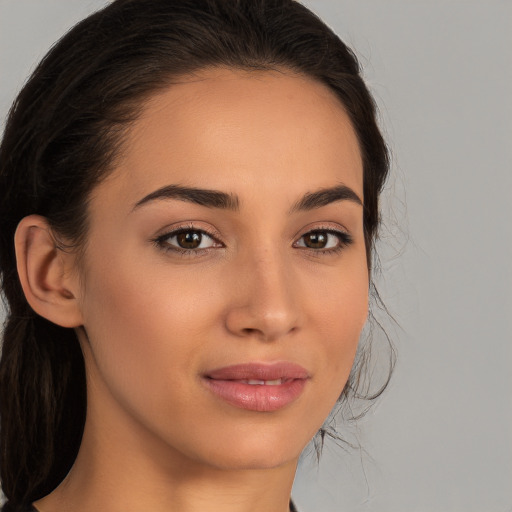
[(267, 305)]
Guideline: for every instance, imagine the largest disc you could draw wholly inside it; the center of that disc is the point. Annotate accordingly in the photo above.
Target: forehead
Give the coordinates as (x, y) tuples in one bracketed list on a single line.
[(241, 131)]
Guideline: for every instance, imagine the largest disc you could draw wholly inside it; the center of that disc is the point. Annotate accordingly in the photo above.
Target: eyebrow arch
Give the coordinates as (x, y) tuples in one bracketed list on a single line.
[(325, 196), (203, 197)]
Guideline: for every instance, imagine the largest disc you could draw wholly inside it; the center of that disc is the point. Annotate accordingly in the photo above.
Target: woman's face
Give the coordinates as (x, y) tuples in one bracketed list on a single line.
[(224, 283)]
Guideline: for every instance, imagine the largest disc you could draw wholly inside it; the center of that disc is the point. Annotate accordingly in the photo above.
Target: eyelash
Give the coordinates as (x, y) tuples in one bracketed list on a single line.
[(344, 240)]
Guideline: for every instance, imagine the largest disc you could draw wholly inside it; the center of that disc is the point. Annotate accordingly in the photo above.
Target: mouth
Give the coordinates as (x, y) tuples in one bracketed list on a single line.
[(260, 387), (256, 382)]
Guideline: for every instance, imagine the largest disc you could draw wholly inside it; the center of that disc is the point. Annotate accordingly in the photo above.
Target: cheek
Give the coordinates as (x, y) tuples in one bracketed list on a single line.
[(340, 312), (143, 329)]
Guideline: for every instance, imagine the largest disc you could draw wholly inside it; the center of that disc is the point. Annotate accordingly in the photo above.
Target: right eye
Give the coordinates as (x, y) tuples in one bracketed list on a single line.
[(187, 240)]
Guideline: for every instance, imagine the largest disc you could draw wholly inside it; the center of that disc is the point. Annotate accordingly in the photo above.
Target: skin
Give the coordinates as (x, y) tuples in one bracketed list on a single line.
[(155, 319)]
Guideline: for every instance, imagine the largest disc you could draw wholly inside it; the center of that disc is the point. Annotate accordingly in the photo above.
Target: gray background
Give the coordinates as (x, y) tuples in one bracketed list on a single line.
[(440, 439)]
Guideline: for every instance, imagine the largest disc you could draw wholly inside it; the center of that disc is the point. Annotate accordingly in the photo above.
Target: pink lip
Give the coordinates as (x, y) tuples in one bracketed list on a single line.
[(229, 384)]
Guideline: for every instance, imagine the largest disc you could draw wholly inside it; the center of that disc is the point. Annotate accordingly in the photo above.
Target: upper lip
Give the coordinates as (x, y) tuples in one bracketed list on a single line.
[(259, 371)]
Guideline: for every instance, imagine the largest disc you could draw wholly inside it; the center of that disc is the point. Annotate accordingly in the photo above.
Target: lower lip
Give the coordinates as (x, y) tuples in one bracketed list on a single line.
[(257, 397)]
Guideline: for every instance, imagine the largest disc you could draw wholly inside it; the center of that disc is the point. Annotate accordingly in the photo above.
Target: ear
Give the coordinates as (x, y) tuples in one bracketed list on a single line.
[(47, 273)]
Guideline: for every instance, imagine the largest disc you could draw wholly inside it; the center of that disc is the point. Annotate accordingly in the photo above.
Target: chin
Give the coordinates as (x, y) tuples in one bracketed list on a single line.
[(265, 459), (261, 449)]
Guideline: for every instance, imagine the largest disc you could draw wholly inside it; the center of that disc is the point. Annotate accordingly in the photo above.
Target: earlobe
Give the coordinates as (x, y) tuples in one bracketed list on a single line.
[(46, 273)]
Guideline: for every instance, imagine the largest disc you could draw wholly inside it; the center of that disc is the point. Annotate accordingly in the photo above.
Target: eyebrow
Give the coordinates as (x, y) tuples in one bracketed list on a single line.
[(227, 201), (203, 197), (325, 196)]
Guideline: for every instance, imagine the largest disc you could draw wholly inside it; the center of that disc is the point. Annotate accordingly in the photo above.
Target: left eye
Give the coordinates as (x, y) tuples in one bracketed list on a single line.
[(322, 240), (188, 239)]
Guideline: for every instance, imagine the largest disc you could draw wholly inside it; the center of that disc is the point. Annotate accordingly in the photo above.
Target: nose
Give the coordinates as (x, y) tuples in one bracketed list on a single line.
[(265, 304)]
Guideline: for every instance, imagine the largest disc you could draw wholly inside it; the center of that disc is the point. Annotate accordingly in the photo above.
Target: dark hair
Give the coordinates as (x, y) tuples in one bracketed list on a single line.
[(61, 138)]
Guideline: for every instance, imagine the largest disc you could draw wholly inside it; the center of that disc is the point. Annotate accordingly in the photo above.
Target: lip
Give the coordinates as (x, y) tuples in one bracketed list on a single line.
[(230, 383)]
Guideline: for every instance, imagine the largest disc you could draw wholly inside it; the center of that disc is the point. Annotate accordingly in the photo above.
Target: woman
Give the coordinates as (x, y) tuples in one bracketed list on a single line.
[(192, 191)]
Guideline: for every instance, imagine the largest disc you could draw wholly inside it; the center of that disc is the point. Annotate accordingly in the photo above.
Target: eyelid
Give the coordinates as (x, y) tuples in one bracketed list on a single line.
[(331, 227), (173, 229)]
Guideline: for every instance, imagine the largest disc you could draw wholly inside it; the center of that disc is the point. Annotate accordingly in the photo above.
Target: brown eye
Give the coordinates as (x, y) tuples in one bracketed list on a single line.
[(316, 239), (324, 240), (189, 239)]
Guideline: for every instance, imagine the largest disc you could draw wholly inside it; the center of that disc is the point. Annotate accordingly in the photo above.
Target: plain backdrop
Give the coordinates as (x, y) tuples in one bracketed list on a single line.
[(440, 438)]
